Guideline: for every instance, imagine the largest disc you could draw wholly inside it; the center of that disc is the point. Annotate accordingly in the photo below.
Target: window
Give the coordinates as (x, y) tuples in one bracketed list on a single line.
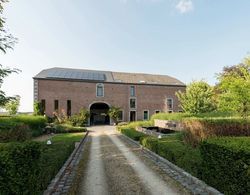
[(170, 104), (68, 107), (132, 116), (43, 106), (99, 90), (56, 105), (132, 91), (132, 103), (157, 111), (120, 115), (145, 115)]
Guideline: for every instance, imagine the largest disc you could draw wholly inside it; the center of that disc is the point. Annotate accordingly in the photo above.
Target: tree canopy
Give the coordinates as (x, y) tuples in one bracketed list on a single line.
[(198, 98), (7, 40), (234, 88)]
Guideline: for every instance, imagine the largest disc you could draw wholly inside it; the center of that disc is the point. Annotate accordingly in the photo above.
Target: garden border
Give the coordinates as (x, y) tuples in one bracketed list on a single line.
[(64, 178), (191, 183)]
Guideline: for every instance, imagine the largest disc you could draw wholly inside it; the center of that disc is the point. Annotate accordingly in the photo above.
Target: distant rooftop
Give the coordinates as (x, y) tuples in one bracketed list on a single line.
[(106, 76)]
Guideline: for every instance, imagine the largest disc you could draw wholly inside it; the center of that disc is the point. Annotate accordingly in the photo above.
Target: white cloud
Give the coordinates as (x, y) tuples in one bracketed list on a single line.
[(185, 6)]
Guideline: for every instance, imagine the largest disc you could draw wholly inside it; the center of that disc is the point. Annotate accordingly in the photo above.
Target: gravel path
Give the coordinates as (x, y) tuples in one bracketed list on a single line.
[(116, 167)]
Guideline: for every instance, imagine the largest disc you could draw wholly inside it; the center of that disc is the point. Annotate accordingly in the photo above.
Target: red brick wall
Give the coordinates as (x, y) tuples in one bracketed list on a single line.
[(83, 94)]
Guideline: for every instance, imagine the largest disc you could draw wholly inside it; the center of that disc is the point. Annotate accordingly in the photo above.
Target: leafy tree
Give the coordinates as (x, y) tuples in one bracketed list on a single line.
[(4, 72), (114, 113), (198, 98), (234, 88), (7, 41), (13, 105), (37, 108)]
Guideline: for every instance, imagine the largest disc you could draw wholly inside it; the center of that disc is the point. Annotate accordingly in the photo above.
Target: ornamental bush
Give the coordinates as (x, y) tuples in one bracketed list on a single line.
[(18, 172), (226, 164)]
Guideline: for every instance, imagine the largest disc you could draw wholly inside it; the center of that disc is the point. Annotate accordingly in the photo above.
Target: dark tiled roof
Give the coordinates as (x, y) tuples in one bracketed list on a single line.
[(106, 76)]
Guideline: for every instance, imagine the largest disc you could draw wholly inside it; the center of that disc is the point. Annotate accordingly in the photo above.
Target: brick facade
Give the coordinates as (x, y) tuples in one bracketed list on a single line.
[(83, 94)]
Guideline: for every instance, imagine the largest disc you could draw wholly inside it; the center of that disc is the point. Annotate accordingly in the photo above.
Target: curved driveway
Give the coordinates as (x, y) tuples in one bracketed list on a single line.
[(115, 166)]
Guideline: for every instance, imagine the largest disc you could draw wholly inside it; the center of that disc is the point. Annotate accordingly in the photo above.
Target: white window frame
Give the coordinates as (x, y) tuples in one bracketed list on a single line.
[(143, 115), (122, 116), (172, 109), (97, 85), (135, 103), (130, 91)]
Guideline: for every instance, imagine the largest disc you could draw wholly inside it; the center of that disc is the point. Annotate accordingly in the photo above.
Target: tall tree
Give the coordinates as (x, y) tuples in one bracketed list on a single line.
[(7, 40), (198, 98), (234, 88)]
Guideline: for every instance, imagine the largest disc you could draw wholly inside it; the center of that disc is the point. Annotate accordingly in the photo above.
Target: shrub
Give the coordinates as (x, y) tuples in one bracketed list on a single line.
[(67, 128), (28, 167), (202, 128), (17, 132), (37, 108), (150, 142), (170, 116), (134, 125), (80, 119), (133, 134), (226, 164), (35, 124), (18, 162), (182, 116), (176, 151)]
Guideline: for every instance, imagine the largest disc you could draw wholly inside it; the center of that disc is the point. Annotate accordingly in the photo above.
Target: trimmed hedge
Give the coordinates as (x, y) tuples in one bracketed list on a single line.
[(133, 134), (226, 164), (134, 125), (181, 116), (172, 148), (34, 124), (18, 172), (176, 151), (28, 167)]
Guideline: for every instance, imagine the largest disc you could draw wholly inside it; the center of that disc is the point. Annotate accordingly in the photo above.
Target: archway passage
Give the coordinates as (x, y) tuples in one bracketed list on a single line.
[(99, 114)]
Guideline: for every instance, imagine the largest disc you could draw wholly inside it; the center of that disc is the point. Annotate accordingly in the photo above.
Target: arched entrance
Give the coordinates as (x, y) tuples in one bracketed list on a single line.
[(99, 114)]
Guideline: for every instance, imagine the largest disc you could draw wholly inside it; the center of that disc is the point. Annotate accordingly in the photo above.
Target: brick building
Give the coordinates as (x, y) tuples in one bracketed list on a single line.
[(138, 95)]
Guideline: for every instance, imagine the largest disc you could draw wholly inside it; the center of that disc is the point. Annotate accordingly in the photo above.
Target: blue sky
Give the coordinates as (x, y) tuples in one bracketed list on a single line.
[(187, 39)]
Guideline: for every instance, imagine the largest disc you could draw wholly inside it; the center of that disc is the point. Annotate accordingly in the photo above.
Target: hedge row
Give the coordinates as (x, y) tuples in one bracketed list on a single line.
[(21, 127), (18, 162), (66, 128), (202, 128), (171, 148), (226, 164), (133, 134), (28, 167)]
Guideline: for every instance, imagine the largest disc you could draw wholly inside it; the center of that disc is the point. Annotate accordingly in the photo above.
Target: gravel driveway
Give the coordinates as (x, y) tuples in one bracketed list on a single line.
[(115, 166)]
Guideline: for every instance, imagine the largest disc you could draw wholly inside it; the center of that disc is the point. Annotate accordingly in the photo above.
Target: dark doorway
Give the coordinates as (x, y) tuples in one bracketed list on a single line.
[(99, 114), (132, 116)]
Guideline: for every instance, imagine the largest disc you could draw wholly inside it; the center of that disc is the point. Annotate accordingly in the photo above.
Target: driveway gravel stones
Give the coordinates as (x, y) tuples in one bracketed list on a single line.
[(116, 166)]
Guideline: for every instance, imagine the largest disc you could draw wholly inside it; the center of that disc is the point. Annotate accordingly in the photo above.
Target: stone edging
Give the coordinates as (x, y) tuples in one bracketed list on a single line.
[(191, 183), (64, 178)]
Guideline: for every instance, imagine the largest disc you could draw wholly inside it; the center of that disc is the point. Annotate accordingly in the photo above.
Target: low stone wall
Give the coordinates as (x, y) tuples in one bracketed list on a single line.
[(64, 178), (167, 124)]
